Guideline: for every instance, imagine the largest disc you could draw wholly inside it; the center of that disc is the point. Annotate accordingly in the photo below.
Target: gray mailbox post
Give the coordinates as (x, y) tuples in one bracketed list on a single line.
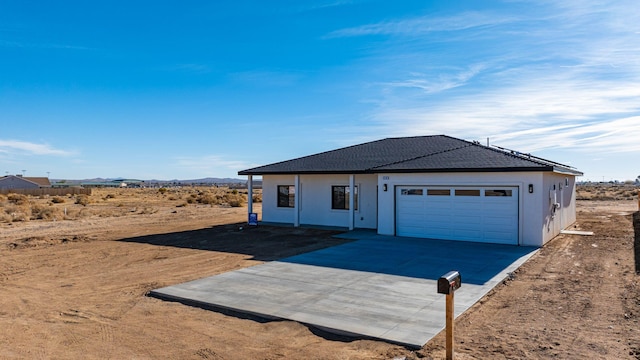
[(448, 284)]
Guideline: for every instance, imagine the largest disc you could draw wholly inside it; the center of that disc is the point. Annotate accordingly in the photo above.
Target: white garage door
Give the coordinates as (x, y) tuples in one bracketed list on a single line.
[(482, 214)]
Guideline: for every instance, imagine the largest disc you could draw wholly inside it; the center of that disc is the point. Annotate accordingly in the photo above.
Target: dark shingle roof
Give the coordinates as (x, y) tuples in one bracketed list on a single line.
[(438, 153)]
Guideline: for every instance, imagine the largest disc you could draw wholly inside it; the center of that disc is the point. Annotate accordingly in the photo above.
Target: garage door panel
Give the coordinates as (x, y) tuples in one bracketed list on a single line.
[(483, 214), (437, 216), (411, 206), (501, 221), (436, 233), (412, 221), (468, 222), (463, 234), (413, 231), (494, 211), (466, 202), (499, 238)]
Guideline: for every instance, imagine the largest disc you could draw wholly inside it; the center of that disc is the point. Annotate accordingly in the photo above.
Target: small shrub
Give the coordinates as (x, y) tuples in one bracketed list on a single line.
[(162, 190), (45, 213), (20, 216), (57, 200), (5, 218), (18, 199), (208, 198), (234, 199), (74, 214), (17, 212), (82, 200), (257, 198), (110, 196)]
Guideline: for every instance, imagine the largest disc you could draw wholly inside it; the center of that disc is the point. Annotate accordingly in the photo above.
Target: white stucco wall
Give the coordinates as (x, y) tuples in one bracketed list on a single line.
[(270, 210), (315, 200), (561, 190)]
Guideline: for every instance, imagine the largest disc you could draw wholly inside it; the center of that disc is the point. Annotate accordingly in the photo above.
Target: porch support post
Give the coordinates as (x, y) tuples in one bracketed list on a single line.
[(351, 200), (296, 202), (250, 195)]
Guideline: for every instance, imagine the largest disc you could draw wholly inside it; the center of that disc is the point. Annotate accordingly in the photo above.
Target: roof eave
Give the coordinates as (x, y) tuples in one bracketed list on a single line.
[(405, 171), (565, 171)]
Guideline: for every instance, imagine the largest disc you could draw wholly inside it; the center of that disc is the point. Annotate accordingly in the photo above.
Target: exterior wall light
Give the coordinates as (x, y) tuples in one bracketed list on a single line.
[(530, 188), (384, 187)]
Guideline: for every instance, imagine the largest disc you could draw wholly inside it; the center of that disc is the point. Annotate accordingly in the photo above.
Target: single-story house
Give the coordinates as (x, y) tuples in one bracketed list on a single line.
[(436, 187), (21, 182)]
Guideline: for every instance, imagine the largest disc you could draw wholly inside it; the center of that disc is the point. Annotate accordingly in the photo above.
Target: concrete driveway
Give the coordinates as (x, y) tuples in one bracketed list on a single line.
[(379, 287)]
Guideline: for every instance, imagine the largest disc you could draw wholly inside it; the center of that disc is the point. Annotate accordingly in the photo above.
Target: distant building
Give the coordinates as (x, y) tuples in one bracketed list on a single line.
[(117, 183), (20, 182)]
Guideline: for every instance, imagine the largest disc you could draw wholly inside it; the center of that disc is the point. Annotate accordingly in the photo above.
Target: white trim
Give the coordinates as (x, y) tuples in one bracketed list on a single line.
[(296, 201), (250, 195), (352, 196)]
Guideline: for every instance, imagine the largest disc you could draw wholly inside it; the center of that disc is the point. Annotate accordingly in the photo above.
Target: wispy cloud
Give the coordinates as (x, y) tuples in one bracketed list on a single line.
[(16, 44), (425, 24), (433, 83), (570, 81), (533, 116), (15, 147)]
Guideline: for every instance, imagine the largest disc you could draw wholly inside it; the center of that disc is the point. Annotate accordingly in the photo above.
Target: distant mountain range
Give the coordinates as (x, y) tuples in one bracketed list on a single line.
[(208, 180)]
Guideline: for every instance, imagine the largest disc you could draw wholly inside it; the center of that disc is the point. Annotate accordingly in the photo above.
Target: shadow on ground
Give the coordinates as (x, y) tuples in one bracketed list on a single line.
[(417, 258), (636, 228), (264, 243)]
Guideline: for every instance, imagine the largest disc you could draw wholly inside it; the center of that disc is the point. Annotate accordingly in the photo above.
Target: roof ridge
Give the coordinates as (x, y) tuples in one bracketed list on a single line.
[(527, 156), (320, 153), (519, 155), (421, 156)]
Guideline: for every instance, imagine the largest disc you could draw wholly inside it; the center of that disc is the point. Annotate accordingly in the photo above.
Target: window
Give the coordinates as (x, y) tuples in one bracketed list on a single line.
[(286, 196), (411, 192), (340, 197), (498, 193), (474, 192), (438, 192)]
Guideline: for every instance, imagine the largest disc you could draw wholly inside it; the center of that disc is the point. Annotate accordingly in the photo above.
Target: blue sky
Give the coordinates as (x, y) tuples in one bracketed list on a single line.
[(192, 89)]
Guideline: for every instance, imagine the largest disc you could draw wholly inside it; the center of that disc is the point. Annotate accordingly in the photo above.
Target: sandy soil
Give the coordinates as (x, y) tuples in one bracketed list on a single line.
[(77, 289)]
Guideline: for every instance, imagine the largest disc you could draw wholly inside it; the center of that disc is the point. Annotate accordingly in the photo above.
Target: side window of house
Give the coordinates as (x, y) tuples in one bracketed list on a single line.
[(340, 197), (286, 196)]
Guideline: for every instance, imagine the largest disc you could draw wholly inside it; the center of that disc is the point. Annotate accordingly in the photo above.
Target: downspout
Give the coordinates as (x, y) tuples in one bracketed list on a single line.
[(296, 202), (351, 200)]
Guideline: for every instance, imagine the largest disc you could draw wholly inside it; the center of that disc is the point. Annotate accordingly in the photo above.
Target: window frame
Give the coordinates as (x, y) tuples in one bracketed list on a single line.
[(335, 205), (290, 196), (438, 192), (498, 193), (412, 192), (467, 192)]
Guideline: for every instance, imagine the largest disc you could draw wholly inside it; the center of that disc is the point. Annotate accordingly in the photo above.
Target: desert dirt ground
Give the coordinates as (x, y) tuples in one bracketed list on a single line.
[(77, 288)]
